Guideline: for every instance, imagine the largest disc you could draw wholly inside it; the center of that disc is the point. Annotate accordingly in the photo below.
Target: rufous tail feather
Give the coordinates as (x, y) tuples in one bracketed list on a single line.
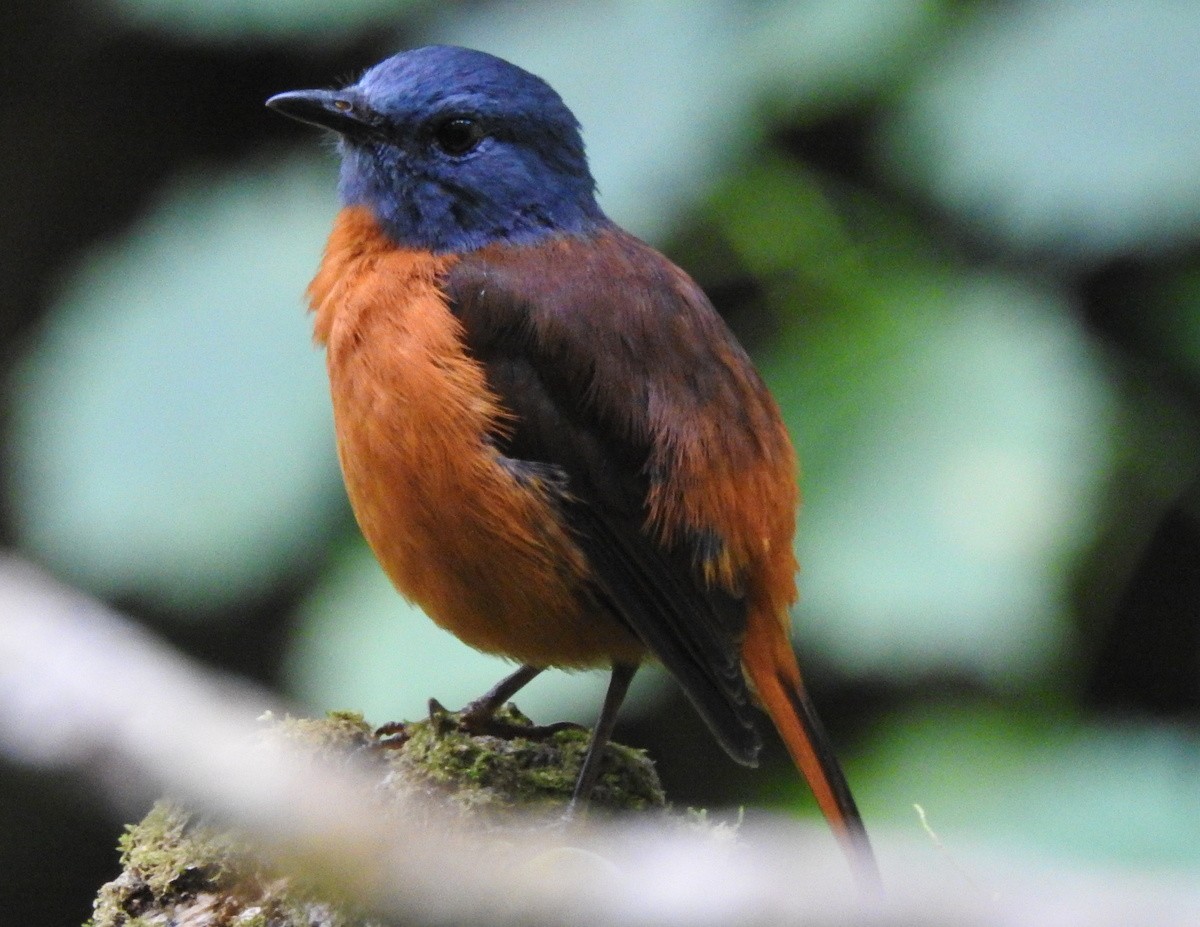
[(772, 668)]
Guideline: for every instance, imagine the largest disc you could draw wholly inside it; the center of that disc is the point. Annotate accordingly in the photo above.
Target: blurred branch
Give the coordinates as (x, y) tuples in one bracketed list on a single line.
[(81, 688)]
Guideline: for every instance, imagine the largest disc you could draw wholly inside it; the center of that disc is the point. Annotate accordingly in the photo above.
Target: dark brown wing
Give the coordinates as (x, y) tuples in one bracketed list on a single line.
[(589, 344)]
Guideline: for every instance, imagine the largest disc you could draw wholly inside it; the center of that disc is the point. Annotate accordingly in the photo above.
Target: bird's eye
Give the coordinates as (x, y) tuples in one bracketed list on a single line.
[(458, 135), (343, 106)]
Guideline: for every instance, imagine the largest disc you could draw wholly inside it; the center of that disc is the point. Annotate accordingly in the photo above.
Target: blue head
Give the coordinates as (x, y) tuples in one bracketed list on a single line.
[(453, 149)]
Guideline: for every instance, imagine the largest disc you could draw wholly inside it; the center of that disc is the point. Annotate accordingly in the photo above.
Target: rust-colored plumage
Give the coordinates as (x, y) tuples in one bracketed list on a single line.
[(455, 377), (484, 553)]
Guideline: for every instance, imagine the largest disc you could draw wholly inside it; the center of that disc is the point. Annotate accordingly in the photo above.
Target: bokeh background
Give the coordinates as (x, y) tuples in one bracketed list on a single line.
[(961, 239)]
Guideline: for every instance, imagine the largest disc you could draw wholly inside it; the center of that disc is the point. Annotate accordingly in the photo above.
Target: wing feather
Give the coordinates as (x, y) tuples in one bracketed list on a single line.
[(605, 353)]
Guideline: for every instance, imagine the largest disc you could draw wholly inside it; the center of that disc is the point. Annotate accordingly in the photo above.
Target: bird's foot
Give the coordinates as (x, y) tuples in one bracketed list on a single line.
[(480, 718)]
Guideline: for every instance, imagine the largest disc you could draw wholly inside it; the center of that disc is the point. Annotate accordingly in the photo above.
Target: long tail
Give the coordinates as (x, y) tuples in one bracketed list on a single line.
[(771, 665)]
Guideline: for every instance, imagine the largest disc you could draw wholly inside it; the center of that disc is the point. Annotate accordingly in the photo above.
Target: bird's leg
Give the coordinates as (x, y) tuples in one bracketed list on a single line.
[(489, 703), (589, 773), (479, 716)]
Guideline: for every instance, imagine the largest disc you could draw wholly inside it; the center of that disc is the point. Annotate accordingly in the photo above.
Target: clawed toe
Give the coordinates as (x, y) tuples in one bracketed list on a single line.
[(494, 727), (480, 719)]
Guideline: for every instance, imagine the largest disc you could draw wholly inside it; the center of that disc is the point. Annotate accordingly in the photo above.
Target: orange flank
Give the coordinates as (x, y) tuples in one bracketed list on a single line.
[(482, 552)]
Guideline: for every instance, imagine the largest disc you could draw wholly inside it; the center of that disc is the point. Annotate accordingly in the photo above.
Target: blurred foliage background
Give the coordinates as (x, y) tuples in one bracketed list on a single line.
[(962, 240)]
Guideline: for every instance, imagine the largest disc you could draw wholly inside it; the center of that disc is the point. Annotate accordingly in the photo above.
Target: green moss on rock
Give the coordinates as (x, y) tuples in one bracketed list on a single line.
[(175, 870), (497, 778)]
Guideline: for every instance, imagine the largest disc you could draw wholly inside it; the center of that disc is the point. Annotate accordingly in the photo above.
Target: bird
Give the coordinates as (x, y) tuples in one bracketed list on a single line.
[(550, 439)]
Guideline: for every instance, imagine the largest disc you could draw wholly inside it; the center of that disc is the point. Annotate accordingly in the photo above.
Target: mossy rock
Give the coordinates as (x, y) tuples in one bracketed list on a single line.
[(175, 870), (498, 779)]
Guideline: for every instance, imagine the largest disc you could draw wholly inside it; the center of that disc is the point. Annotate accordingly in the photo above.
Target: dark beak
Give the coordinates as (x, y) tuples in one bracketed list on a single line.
[(339, 110)]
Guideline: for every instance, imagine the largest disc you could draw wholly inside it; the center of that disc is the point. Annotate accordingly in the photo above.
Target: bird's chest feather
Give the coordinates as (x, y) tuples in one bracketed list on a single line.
[(484, 554), (413, 413)]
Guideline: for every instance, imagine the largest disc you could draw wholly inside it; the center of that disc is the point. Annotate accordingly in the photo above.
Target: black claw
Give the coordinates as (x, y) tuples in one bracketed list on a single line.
[(490, 725), (393, 735)]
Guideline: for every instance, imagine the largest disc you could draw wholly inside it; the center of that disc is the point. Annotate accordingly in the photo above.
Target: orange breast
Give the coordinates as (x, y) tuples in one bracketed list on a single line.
[(483, 553)]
